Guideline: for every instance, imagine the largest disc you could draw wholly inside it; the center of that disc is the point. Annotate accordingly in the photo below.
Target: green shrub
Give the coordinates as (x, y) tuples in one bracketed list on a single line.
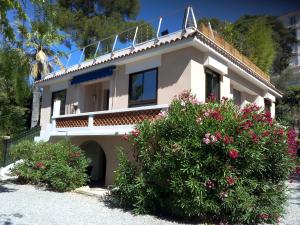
[(209, 161), (61, 166)]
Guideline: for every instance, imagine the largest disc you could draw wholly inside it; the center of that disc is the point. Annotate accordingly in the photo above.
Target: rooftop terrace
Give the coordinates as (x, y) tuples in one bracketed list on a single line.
[(147, 35)]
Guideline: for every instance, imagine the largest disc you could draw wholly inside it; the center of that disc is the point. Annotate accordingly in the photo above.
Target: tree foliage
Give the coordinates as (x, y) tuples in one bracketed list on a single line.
[(89, 21), (262, 38), (14, 90)]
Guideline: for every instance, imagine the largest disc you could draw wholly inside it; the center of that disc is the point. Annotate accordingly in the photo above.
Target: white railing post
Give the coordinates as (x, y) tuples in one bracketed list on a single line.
[(114, 45), (91, 121), (194, 19), (158, 28), (98, 45), (67, 63), (134, 38), (79, 62)]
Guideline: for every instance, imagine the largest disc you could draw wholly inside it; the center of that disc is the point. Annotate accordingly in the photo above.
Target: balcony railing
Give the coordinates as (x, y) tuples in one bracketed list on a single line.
[(108, 118)]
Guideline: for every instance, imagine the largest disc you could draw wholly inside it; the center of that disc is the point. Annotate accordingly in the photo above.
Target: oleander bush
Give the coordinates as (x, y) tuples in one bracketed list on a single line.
[(209, 161), (61, 166)]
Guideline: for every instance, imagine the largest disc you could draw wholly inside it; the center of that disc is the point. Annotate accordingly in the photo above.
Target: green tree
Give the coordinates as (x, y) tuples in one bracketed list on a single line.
[(14, 90), (259, 44), (263, 39), (89, 21), (288, 107), (5, 27)]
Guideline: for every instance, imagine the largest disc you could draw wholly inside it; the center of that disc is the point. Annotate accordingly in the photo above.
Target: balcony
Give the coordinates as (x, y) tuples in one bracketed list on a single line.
[(112, 122)]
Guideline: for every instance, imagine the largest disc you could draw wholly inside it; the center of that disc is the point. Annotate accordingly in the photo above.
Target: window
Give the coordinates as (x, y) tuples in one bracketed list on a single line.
[(268, 104), (236, 97), (212, 84), (59, 95), (292, 20), (143, 88)]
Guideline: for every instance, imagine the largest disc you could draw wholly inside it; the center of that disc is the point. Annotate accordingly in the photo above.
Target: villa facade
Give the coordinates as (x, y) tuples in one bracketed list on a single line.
[(96, 102)]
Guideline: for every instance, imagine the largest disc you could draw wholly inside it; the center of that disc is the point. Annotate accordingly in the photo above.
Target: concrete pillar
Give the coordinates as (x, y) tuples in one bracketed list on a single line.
[(56, 108), (35, 110), (259, 100), (198, 81), (225, 87)]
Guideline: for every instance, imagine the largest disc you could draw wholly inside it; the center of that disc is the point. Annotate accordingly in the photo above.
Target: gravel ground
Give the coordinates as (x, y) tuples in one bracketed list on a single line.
[(29, 205), (292, 216), (26, 204)]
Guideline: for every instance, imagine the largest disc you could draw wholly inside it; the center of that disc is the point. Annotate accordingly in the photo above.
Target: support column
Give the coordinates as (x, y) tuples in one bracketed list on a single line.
[(198, 80), (35, 113)]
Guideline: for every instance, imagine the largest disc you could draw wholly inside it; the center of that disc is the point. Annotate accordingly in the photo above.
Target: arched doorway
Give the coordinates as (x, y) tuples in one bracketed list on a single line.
[(97, 167)]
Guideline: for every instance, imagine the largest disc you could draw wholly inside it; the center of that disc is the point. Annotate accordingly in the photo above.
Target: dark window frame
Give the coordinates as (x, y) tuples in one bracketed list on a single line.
[(212, 72), (134, 103), (52, 101), (292, 20), (237, 101), (268, 105)]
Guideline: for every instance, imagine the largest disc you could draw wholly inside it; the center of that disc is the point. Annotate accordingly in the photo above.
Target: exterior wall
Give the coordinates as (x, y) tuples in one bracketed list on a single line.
[(174, 74), (249, 92), (178, 70), (119, 91)]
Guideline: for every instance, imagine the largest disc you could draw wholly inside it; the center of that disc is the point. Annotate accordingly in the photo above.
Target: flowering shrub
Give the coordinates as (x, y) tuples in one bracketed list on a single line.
[(61, 166), (211, 161)]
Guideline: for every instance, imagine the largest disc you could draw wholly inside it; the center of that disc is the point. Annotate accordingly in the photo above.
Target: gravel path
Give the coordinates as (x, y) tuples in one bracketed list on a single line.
[(29, 205), (26, 204), (292, 216)]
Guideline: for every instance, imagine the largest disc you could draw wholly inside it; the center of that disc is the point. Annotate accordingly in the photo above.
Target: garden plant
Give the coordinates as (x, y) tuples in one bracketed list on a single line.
[(210, 161), (61, 166)]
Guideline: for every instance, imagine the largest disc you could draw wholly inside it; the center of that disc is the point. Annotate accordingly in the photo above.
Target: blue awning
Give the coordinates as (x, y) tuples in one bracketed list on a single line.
[(97, 74)]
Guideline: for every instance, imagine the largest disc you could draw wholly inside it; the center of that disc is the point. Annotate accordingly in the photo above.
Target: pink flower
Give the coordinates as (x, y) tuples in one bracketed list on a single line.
[(209, 184), (227, 140), (207, 135), (223, 195), (213, 139), (265, 133), (206, 114), (254, 137), (206, 141), (125, 137), (195, 101), (199, 120), (40, 165), (264, 216), (230, 181), (233, 154), (135, 132), (292, 143), (218, 135)]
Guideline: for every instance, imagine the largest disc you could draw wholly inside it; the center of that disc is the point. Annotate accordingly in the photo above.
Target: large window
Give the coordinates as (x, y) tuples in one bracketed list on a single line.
[(143, 88), (212, 84), (59, 95)]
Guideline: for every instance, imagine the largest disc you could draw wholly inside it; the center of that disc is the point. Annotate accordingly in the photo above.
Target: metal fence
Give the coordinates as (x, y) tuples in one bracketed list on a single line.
[(7, 144)]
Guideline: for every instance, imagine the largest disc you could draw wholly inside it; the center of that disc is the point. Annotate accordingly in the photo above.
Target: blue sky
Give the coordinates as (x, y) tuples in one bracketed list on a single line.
[(224, 9), (172, 12)]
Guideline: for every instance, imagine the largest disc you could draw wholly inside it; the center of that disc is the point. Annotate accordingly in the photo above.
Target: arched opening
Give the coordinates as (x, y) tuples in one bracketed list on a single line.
[(97, 168)]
